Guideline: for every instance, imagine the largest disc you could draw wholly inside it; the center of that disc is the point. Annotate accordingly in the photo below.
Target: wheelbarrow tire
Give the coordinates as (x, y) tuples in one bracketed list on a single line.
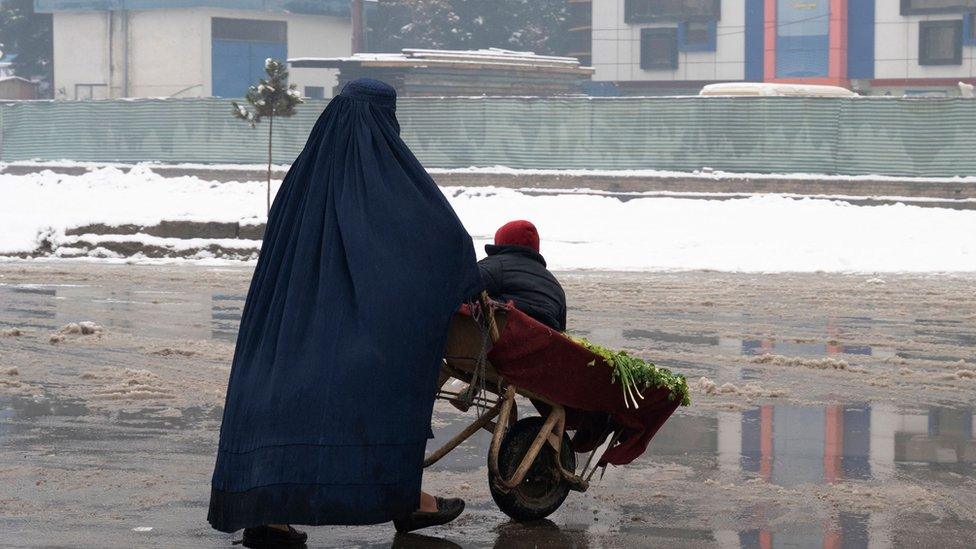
[(544, 488)]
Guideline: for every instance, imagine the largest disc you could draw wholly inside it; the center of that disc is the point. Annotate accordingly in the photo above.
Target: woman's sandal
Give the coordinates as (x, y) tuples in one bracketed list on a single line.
[(447, 510), (268, 537)]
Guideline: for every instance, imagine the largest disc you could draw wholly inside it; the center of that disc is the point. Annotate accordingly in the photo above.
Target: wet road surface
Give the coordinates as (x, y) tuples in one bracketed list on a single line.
[(842, 413)]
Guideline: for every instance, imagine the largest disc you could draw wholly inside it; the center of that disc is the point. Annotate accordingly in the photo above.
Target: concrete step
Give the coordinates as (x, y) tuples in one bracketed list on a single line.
[(165, 240), (176, 229), (102, 246)]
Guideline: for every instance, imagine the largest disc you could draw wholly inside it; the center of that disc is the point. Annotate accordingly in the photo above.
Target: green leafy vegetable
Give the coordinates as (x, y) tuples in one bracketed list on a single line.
[(636, 375)]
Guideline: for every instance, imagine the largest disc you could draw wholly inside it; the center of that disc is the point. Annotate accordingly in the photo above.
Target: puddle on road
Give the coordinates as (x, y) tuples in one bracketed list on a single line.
[(791, 445), (184, 315), (217, 316), (784, 445)]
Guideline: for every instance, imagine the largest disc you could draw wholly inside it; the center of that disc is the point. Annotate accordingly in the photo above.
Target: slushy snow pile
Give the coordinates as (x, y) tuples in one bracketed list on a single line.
[(766, 233)]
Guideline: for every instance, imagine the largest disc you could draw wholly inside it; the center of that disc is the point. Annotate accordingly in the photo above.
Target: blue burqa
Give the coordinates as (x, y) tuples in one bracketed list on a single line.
[(333, 381)]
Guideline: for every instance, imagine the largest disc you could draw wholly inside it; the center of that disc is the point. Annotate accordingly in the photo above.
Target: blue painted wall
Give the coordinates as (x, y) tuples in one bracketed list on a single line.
[(860, 39), (755, 20), (339, 8), (802, 38), (968, 22)]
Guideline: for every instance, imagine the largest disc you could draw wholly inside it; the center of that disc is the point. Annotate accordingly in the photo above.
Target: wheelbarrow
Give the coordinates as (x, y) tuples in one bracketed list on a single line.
[(531, 467), (500, 352)]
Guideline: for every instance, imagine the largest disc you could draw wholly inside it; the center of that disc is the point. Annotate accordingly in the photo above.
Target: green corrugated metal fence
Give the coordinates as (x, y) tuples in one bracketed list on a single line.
[(912, 137)]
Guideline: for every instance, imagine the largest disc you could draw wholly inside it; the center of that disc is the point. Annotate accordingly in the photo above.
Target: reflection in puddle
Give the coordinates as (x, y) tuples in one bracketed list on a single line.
[(791, 445), (758, 346)]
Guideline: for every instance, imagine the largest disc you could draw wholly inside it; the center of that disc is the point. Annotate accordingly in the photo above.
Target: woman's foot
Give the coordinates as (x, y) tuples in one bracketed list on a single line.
[(441, 512), (273, 535)]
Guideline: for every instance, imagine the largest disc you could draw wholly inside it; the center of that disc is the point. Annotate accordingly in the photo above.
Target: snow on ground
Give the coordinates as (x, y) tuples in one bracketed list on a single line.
[(766, 233)]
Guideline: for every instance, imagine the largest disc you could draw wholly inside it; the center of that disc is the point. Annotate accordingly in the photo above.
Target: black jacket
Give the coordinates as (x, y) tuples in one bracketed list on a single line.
[(519, 274)]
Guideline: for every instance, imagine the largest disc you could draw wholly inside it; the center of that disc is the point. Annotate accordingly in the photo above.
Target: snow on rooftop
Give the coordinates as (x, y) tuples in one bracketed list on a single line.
[(424, 57), (22, 79)]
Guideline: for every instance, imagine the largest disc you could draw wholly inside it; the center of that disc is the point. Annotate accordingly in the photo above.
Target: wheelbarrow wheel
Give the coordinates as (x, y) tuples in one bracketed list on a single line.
[(544, 489)]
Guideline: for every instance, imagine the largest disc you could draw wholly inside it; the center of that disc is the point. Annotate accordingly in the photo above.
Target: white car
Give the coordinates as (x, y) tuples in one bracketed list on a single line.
[(769, 89)]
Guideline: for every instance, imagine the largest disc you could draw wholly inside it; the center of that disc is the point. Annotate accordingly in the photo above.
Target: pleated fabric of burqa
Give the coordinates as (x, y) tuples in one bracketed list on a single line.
[(332, 385)]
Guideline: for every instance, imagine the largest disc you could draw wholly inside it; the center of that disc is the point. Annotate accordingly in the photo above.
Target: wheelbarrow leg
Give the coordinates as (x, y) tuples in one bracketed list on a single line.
[(501, 426)]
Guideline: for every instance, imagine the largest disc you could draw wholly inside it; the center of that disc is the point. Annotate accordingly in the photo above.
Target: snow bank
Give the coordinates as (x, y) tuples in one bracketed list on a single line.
[(766, 233), (46, 200)]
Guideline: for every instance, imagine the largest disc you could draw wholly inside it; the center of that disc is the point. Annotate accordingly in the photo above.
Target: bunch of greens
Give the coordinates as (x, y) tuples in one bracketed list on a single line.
[(635, 375)]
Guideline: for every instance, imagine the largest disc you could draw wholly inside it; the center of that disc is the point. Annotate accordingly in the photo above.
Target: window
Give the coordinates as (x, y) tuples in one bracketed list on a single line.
[(913, 7), (91, 91), (940, 42), (315, 92), (659, 49), (674, 11), (697, 36), (252, 30)]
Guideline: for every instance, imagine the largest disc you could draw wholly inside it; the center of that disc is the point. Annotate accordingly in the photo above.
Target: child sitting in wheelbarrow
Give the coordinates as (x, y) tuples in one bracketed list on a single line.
[(515, 271)]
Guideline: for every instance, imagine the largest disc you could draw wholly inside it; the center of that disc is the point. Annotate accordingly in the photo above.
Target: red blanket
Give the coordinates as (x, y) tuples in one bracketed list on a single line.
[(531, 355)]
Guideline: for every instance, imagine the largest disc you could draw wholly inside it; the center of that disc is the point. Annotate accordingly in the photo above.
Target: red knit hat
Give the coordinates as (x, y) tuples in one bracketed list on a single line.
[(518, 233)]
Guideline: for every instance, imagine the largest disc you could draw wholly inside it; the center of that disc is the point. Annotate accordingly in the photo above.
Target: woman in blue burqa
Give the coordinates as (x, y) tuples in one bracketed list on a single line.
[(332, 386)]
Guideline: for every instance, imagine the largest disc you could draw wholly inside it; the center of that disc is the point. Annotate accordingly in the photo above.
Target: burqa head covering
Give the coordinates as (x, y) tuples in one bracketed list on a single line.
[(333, 381)]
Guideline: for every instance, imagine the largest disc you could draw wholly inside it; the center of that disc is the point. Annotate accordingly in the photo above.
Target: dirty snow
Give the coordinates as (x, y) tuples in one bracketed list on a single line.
[(764, 233)]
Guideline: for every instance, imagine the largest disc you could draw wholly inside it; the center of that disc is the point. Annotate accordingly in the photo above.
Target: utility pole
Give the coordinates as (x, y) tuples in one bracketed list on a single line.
[(358, 30)]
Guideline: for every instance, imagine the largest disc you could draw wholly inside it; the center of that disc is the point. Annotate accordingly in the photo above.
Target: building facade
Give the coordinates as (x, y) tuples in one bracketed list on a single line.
[(190, 48), (876, 47)]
